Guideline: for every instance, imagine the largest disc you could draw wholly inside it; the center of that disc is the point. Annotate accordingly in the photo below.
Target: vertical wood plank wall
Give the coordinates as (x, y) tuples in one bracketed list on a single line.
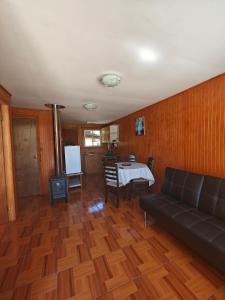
[(45, 141), (79, 132), (46, 148), (184, 131)]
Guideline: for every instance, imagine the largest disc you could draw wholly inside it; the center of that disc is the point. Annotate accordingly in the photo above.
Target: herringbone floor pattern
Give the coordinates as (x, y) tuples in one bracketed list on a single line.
[(88, 250)]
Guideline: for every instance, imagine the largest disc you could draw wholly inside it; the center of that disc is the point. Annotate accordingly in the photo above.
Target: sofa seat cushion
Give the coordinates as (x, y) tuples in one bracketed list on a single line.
[(207, 231), (167, 198), (190, 218), (217, 222), (174, 209), (219, 243), (155, 200), (203, 216)]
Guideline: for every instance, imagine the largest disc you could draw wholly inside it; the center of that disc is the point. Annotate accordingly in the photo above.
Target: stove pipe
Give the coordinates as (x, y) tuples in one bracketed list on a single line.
[(57, 136)]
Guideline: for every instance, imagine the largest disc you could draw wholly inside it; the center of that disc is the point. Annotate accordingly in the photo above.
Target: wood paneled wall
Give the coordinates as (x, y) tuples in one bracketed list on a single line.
[(70, 136), (45, 142), (185, 131), (79, 132)]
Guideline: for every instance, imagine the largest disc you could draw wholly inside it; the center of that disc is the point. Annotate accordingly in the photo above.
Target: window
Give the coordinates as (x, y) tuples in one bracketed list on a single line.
[(92, 138)]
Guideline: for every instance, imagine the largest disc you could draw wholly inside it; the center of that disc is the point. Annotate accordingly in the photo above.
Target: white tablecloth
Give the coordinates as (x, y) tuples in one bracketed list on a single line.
[(134, 171)]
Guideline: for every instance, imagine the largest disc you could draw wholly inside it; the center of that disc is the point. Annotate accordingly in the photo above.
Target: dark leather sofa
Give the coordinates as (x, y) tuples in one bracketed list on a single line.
[(192, 207)]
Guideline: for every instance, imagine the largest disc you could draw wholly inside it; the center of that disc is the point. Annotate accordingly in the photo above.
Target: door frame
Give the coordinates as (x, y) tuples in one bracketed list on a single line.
[(9, 170), (46, 143), (38, 144), (3, 191)]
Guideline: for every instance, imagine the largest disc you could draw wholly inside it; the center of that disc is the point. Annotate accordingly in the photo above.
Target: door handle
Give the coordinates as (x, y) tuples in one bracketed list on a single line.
[(35, 156)]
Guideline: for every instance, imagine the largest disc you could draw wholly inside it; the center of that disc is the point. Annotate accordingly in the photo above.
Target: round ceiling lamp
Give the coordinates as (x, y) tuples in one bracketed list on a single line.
[(90, 106), (110, 79)]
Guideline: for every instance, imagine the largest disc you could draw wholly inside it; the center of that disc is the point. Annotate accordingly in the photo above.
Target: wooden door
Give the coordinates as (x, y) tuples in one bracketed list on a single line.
[(26, 157), (3, 198)]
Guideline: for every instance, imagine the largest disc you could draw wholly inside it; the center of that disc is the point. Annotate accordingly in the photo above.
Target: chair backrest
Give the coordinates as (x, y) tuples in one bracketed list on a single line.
[(109, 159), (150, 163), (123, 158), (111, 173)]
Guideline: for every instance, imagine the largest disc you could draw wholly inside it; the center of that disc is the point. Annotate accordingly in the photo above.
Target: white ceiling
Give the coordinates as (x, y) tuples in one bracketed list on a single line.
[(54, 50)]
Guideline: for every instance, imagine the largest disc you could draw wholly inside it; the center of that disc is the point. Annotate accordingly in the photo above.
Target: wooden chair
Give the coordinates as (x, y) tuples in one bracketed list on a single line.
[(110, 159), (150, 163), (140, 184), (112, 180)]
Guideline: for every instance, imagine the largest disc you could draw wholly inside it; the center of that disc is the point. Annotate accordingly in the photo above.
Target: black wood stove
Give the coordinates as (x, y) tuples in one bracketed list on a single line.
[(58, 184), (58, 188)]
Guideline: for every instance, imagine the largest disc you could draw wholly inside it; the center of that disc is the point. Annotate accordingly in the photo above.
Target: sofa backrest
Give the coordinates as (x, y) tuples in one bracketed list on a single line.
[(220, 205), (192, 189), (183, 186), (174, 182), (207, 193), (178, 182), (210, 194), (168, 180)]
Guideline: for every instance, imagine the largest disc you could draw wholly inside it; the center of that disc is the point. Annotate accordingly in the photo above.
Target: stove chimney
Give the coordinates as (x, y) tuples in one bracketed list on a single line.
[(58, 185), (55, 113)]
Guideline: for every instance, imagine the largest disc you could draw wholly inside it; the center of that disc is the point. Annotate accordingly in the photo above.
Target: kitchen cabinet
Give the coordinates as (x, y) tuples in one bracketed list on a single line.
[(105, 134), (113, 133), (93, 163), (110, 134)]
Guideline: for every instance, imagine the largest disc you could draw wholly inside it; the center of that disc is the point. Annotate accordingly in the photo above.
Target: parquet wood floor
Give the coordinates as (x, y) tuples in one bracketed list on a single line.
[(88, 250)]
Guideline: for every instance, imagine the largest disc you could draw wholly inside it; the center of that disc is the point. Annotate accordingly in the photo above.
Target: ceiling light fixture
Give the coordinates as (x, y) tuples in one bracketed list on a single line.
[(110, 79), (90, 106), (147, 55)]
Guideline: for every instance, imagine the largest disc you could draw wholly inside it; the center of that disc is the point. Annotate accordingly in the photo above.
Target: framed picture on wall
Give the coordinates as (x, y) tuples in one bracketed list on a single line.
[(140, 126)]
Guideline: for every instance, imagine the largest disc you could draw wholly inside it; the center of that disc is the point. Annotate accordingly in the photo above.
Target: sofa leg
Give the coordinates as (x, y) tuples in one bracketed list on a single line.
[(145, 217)]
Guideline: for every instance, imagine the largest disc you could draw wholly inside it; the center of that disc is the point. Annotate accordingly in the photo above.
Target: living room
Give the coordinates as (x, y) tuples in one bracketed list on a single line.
[(112, 140)]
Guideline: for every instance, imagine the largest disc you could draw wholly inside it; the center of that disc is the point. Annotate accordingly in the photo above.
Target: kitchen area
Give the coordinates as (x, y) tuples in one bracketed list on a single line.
[(96, 142)]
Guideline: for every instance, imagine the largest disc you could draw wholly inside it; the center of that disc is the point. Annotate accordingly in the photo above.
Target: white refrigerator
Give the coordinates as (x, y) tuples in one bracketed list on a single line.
[(72, 159)]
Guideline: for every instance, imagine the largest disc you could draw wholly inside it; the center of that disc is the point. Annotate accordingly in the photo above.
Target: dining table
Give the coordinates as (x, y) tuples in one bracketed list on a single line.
[(134, 170)]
